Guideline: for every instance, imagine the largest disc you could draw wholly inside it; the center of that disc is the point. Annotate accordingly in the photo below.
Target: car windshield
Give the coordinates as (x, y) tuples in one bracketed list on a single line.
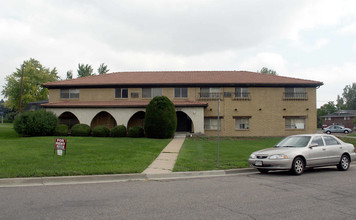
[(294, 141)]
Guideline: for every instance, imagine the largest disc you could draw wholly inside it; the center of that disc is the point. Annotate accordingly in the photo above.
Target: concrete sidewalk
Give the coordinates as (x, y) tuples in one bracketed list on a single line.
[(164, 163)]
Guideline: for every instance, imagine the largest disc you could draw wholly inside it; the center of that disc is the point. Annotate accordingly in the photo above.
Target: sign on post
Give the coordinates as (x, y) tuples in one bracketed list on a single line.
[(60, 146)]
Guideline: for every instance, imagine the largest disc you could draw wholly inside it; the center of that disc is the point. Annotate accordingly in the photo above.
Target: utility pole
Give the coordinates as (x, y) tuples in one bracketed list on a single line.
[(21, 90)]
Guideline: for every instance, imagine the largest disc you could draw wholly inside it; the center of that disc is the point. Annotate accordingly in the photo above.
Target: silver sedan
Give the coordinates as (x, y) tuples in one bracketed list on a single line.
[(297, 152)]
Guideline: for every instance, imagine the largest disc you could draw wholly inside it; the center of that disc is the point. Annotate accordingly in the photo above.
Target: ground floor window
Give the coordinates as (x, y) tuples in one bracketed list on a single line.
[(242, 123), (295, 122), (211, 123)]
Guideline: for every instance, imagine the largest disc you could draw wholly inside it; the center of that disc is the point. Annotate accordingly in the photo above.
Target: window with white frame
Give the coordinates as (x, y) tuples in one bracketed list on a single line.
[(327, 118), (151, 92), (242, 123), (346, 118), (241, 92), (121, 93), (212, 92), (69, 94), (180, 92), (211, 123), (295, 122)]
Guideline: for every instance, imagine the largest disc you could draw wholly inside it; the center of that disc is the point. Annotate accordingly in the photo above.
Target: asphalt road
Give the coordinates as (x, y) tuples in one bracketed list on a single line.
[(317, 194)]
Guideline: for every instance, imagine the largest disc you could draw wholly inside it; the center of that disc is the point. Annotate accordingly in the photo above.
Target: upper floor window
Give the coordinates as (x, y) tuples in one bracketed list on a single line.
[(346, 118), (241, 92), (212, 92), (180, 92), (121, 93), (295, 93), (69, 94), (151, 92)]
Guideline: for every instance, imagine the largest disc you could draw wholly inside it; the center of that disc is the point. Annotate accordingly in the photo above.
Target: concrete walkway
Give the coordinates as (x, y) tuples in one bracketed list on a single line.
[(164, 163)]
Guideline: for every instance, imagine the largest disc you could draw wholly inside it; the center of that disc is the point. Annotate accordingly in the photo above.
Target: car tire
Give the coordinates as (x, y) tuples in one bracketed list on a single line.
[(344, 163), (346, 131), (263, 171), (328, 132), (298, 166)]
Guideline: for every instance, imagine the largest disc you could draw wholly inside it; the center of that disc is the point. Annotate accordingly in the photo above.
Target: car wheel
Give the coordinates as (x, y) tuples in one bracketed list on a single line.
[(328, 132), (346, 131), (263, 171), (298, 166), (344, 163)]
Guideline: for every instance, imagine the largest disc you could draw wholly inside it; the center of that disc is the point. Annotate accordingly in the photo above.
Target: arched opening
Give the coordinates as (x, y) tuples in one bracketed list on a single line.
[(68, 118), (184, 123), (136, 120), (103, 119)]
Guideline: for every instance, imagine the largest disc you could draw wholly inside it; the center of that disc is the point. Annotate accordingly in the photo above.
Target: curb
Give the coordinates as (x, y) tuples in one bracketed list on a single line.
[(67, 180)]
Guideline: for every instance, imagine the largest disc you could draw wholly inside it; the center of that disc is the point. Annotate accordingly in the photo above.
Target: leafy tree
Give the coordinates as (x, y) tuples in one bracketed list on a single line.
[(340, 104), (268, 71), (84, 70), (349, 96), (103, 69), (69, 74), (326, 109), (160, 119), (34, 76)]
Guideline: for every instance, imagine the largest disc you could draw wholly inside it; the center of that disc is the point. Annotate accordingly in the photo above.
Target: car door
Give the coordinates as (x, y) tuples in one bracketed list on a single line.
[(316, 155), (333, 150)]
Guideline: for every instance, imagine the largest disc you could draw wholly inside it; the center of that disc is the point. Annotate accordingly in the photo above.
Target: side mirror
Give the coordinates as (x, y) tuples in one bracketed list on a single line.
[(313, 145)]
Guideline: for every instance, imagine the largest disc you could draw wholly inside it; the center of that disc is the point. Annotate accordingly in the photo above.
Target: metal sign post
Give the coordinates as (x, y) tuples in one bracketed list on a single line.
[(218, 139)]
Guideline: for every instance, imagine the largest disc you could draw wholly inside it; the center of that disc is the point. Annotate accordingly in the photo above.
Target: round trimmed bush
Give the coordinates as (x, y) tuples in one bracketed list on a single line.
[(101, 131), (136, 132), (161, 119), (61, 130), (36, 123), (80, 130), (118, 131)]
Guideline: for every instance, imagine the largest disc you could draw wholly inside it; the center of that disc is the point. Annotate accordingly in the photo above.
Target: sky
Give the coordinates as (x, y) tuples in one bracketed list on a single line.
[(307, 39)]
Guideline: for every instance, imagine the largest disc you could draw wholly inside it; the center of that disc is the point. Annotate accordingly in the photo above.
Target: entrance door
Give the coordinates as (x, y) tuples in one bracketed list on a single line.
[(184, 123)]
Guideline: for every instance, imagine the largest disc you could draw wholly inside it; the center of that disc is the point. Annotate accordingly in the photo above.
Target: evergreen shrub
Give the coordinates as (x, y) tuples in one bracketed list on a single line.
[(136, 132), (36, 123), (101, 131), (160, 119), (61, 130), (80, 130), (118, 131)]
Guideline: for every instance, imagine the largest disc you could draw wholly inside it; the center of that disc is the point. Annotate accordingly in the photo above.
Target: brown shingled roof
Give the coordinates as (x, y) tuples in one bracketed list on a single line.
[(194, 78), (118, 104)]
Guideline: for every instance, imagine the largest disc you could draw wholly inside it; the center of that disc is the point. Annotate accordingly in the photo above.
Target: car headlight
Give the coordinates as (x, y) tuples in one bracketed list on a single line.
[(252, 156), (278, 156)]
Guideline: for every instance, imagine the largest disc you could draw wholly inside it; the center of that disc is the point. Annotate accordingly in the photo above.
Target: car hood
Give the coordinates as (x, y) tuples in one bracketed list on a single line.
[(276, 150)]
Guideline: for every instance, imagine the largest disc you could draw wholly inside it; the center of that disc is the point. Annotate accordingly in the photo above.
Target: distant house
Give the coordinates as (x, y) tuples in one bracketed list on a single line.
[(251, 104), (342, 117)]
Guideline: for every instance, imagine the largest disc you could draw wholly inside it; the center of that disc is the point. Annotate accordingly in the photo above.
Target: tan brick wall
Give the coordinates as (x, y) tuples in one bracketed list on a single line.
[(266, 107)]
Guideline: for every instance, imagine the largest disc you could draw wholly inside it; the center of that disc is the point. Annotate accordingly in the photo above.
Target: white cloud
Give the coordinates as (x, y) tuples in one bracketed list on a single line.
[(266, 59)]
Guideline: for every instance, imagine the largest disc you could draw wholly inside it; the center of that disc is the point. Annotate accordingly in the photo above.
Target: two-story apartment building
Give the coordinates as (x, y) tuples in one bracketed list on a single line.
[(251, 104)]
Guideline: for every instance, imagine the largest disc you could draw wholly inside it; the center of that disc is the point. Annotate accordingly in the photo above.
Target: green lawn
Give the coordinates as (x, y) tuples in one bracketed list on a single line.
[(201, 153), (34, 156)]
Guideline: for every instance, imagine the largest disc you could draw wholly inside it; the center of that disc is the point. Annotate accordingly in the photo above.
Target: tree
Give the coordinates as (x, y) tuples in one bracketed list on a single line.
[(69, 74), (34, 76), (325, 109), (340, 104), (103, 69), (349, 96), (84, 70), (160, 119), (268, 71)]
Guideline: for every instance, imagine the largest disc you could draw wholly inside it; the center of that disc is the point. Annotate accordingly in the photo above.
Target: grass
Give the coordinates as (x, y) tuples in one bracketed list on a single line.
[(34, 156), (201, 153)]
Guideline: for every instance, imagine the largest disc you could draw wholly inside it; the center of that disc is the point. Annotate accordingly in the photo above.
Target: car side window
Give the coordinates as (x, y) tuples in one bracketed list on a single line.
[(317, 140), (330, 140)]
